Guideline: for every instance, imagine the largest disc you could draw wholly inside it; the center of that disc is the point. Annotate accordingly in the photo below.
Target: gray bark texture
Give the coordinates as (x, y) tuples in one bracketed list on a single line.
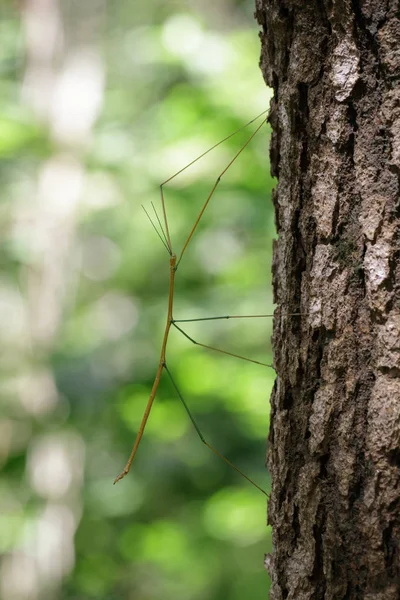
[(334, 444)]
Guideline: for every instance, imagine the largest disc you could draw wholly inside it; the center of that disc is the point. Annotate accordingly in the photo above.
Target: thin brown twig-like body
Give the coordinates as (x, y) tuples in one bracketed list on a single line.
[(172, 271), (174, 263)]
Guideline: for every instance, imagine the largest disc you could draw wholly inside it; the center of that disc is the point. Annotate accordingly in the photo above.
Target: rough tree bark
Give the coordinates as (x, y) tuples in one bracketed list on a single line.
[(334, 451)]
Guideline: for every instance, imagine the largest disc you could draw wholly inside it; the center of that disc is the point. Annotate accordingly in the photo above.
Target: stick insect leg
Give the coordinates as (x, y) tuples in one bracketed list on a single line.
[(175, 321), (165, 217), (192, 163), (257, 362), (236, 317), (210, 195), (204, 440)]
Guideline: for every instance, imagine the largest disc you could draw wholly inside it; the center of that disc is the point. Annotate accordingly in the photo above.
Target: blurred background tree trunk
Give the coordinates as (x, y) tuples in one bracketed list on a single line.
[(335, 422)]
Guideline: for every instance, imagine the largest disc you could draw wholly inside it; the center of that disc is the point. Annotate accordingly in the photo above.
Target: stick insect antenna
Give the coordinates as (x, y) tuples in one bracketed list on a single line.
[(210, 195), (160, 224), (157, 232), (257, 362), (204, 440)]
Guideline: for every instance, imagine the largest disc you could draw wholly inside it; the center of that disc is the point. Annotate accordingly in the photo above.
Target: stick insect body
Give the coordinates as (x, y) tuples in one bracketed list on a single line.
[(174, 262)]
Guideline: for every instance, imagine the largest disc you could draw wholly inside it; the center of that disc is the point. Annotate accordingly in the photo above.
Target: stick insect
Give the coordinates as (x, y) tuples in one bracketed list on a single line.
[(174, 261)]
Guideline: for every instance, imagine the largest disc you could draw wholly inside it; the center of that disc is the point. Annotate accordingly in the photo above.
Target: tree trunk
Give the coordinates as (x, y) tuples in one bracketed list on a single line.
[(334, 451)]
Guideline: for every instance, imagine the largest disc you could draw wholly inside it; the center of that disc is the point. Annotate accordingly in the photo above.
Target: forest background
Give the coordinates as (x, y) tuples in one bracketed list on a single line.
[(100, 104)]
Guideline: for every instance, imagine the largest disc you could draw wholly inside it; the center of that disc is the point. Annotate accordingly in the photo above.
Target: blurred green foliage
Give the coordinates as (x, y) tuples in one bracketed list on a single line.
[(178, 78)]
